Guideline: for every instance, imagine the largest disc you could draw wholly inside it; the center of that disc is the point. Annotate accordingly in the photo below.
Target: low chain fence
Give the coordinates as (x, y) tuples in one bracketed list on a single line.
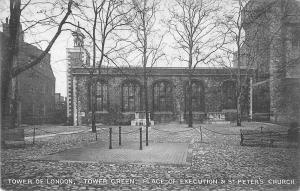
[(254, 136), (137, 133), (40, 136), (259, 137)]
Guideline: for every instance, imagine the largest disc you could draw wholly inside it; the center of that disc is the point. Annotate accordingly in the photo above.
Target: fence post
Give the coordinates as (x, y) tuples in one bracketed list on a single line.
[(110, 132), (120, 136), (146, 135), (261, 134), (33, 136), (96, 135), (242, 139), (141, 146), (201, 133), (271, 141)]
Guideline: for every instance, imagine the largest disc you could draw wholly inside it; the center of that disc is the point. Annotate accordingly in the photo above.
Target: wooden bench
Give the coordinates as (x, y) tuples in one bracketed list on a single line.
[(262, 138)]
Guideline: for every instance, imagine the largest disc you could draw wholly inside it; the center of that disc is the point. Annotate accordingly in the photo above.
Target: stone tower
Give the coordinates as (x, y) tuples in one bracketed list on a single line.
[(284, 66), (272, 28), (77, 57)]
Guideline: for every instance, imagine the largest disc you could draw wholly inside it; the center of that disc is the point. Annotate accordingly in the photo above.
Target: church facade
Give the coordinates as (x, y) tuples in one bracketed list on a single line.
[(271, 91), (119, 91)]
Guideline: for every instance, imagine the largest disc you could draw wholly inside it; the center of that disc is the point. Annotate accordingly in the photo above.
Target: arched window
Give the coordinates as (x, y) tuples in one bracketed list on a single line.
[(162, 96), (197, 96), (131, 96), (101, 96), (229, 95)]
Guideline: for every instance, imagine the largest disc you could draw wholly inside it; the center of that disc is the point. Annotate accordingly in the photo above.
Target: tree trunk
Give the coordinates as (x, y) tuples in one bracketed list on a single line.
[(238, 86), (146, 98), (239, 116), (93, 88), (239, 94), (238, 101), (190, 109), (13, 108), (92, 81), (251, 99), (145, 60), (10, 83), (189, 96)]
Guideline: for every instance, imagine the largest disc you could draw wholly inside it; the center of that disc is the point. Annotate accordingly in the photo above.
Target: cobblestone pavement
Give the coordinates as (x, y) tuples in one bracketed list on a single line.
[(216, 159)]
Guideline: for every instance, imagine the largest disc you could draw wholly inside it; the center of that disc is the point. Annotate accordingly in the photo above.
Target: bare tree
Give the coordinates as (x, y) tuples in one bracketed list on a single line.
[(146, 43), (193, 26), (108, 19), (11, 68)]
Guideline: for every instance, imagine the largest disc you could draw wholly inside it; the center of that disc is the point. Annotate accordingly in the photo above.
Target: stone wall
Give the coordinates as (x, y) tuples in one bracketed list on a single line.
[(278, 69), (283, 90), (212, 94)]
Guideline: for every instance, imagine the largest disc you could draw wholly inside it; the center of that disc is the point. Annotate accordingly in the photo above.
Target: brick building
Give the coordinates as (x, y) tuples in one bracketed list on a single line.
[(36, 86), (60, 102), (60, 114), (272, 29), (119, 91)]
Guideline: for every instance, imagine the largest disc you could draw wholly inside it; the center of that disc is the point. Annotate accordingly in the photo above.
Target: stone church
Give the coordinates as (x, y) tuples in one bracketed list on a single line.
[(119, 91), (269, 93)]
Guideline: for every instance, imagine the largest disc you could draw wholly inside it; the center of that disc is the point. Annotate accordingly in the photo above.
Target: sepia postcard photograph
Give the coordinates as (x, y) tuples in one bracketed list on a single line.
[(150, 95)]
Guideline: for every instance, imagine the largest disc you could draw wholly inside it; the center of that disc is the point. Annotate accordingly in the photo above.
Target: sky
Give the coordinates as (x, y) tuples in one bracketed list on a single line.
[(65, 40)]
